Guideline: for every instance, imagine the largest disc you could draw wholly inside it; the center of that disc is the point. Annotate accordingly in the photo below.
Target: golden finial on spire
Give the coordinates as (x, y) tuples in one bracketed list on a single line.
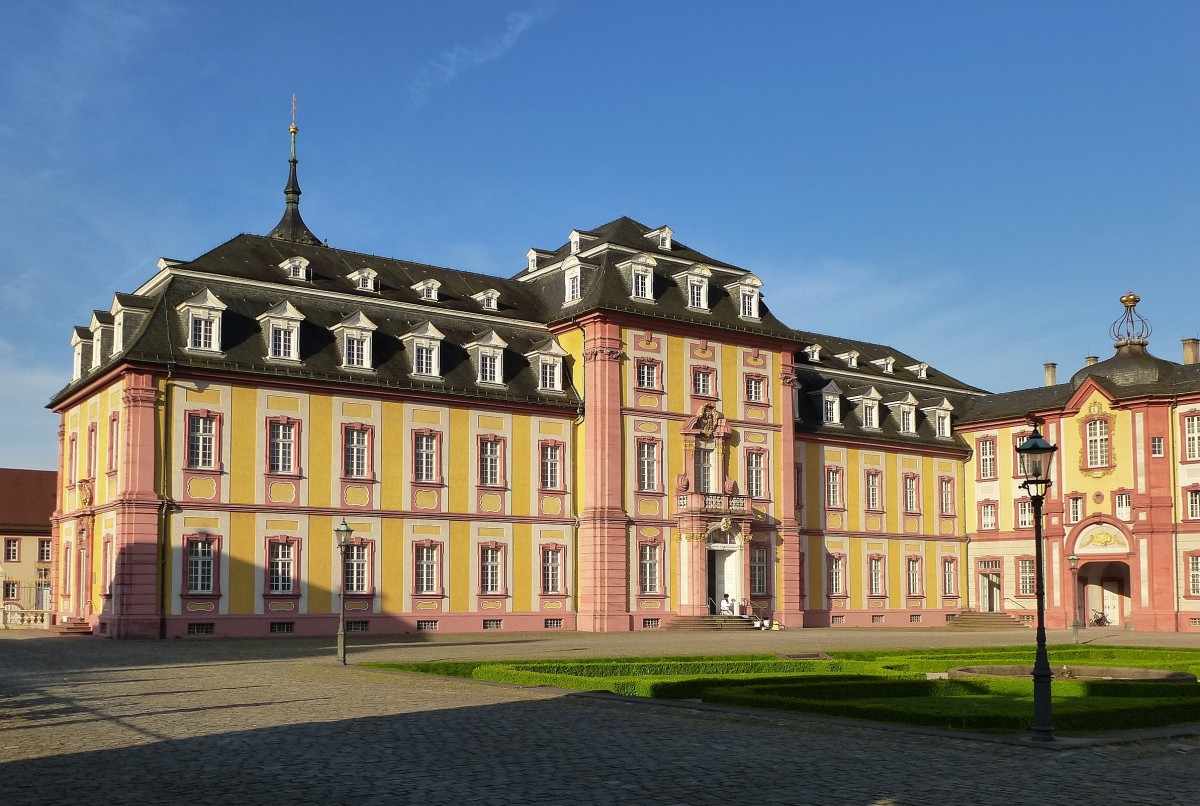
[(1130, 299), (1132, 327)]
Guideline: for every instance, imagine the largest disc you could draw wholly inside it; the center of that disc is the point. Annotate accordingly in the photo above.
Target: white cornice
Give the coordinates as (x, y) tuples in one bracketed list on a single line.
[(890, 380)]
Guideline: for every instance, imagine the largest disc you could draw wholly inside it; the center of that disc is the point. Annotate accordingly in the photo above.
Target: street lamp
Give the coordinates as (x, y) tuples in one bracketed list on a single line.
[(342, 535), (1038, 454), (1074, 561)]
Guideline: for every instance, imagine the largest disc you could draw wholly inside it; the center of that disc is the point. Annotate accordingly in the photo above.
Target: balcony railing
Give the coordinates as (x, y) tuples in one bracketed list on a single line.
[(712, 503)]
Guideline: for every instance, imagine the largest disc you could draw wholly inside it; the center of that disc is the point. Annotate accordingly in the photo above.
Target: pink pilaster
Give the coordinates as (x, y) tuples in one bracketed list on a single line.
[(603, 528), (790, 598)]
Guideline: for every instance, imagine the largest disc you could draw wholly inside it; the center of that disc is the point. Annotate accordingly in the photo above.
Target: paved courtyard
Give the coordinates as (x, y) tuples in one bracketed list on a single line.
[(88, 720)]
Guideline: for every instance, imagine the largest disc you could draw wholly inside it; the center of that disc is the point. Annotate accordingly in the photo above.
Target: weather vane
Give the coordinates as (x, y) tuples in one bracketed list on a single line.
[(293, 126)]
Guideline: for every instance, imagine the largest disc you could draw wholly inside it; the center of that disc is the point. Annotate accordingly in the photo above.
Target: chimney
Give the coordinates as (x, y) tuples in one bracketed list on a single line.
[(1090, 360), (1191, 351), (1050, 374)]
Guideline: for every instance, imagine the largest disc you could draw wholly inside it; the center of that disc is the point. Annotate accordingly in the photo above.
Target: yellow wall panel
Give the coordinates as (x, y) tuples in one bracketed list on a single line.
[(320, 445), (244, 463), (677, 391), (283, 403), (458, 558), (526, 460), (462, 451), (393, 450), (320, 559), (394, 581), (524, 583), (243, 557), (210, 396)]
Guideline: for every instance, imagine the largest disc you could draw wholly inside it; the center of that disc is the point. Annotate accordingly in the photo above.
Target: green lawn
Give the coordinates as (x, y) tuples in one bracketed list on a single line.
[(883, 686)]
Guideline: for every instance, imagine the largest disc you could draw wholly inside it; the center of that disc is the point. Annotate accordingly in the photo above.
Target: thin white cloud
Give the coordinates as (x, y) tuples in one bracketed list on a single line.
[(441, 70)]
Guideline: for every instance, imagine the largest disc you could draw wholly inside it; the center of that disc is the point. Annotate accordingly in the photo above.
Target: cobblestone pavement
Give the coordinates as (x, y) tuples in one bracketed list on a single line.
[(224, 721)]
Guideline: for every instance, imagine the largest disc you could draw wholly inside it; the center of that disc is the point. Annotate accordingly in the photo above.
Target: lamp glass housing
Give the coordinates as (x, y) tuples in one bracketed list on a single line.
[(1038, 454), (342, 533)]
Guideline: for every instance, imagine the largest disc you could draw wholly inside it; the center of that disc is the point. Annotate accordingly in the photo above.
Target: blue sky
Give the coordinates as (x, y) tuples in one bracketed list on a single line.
[(975, 184)]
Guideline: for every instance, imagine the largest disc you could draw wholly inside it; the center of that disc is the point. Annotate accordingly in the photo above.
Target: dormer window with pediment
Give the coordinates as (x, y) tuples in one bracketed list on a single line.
[(365, 280), (921, 369), (427, 290), (904, 409), (813, 351), (547, 359), (487, 350), (356, 333), (424, 344), (575, 242), (748, 291), (850, 357), (938, 412), (641, 277), (531, 258), (662, 237), (886, 364), (868, 407), (829, 398), (102, 337), (573, 285), (696, 279), (296, 268), (81, 345), (202, 314), (488, 300), (281, 330)]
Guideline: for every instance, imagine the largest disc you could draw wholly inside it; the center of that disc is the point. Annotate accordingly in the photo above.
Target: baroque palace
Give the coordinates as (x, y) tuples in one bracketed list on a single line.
[(619, 435)]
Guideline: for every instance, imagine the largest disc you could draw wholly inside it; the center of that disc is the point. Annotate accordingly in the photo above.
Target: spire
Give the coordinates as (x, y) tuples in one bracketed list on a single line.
[(291, 227)]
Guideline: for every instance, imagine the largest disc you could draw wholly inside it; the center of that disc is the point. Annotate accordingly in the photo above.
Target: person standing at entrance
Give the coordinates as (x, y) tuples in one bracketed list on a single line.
[(726, 606)]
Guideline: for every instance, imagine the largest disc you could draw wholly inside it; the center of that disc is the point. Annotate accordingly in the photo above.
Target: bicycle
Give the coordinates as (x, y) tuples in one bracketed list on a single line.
[(1099, 619)]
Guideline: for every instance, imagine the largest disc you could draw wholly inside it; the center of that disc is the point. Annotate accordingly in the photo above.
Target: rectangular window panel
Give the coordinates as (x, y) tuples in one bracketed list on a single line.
[(704, 470), (754, 390), (281, 567), (1097, 443), (426, 458), (427, 569), (200, 566), (906, 420), (833, 488), (749, 304), (12, 550), (355, 580), (1156, 446), (282, 448), (551, 464), (548, 377), (489, 570), (987, 459), (758, 571), (647, 375), (489, 463), (696, 294), (1191, 436), (870, 414), (837, 576), (423, 360), (1075, 510), (1024, 514), (949, 577), (648, 568), (1194, 575), (641, 284), (355, 453), (947, 496), (756, 485), (551, 570), (1121, 503), (356, 352), (647, 466), (489, 368), (1026, 577), (702, 383), (914, 576), (45, 550), (873, 490), (202, 333), (1194, 504), (912, 498), (987, 516), (875, 575), (942, 421), (281, 342)]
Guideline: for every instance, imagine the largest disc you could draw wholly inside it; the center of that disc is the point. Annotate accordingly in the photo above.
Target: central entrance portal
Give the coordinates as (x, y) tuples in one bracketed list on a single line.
[(724, 576)]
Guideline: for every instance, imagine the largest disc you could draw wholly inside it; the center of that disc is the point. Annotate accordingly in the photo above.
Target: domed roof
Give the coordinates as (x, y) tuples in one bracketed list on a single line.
[(1132, 365)]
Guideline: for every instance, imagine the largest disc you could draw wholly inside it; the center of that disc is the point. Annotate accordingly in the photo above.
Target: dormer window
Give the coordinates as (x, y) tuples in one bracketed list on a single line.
[(203, 317), (424, 344), (427, 290), (870, 414), (831, 411), (81, 344), (938, 411), (885, 364), (747, 291), (281, 329), (908, 420), (749, 304), (574, 288), (488, 351), (296, 268), (365, 280), (488, 300), (851, 358), (547, 359), (942, 424), (868, 406), (813, 351), (696, 279), (574, 242), (531, 260), (662, 237), (357, 334), (641, 277), (921, 369)]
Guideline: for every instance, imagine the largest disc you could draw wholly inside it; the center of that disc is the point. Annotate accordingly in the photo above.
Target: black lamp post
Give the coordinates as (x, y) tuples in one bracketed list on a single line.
[(1038, 455), (1074, 561), (342, 535)]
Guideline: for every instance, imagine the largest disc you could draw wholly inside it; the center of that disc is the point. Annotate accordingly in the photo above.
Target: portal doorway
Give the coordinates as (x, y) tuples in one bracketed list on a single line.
[(989, 593), (1104, 589)]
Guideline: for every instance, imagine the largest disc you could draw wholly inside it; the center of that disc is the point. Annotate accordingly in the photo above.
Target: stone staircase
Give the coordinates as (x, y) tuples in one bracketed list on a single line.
[(710, 623), (70, 626), (982, 622)]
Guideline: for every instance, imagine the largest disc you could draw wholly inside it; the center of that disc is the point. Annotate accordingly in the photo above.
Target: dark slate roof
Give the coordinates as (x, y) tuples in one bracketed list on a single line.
[(1017, 404), (832, 346), (1131, 366), (134, 301)]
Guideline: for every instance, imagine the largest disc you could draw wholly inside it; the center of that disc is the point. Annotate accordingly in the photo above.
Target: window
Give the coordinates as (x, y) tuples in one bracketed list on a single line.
[(912, 494), (833, 487), (913, 567), (12, 550), (647, 375), (642, 284), (1191, 437), (202, 440), (489, 462), (1074, 509), (870, 414), (875, 577), (704, 470), (202, 332), (942, 424), (698, 293), (551, 467), (12, 590), (758, 571), (281, 567), (648, 562), (427, 572), (425, 454), (986, 449), (91, 451), (987, 516), (1026, 577), (281, 328), (488, 300), (837, 575), (425, 358), (203, 319), (201, 566), (1121, 506), (831, 411), (550, 375), (44, 551), (281, 450), (647, 466), (573, 289), (946, 496), (427, 290), (364, 280), (552, 569), (949, 576), (1193, 499), (907, 420), (1194, 575), (491, 564), (1156, 446), (1097, 443), (874, 497), (355, 578), (756, 476), (755, 389), (355, 453), (114, 436), (355, 352), (1024, 514), (749, 303), (489, 367), (702, 384), (296, 268), (282, 341)]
